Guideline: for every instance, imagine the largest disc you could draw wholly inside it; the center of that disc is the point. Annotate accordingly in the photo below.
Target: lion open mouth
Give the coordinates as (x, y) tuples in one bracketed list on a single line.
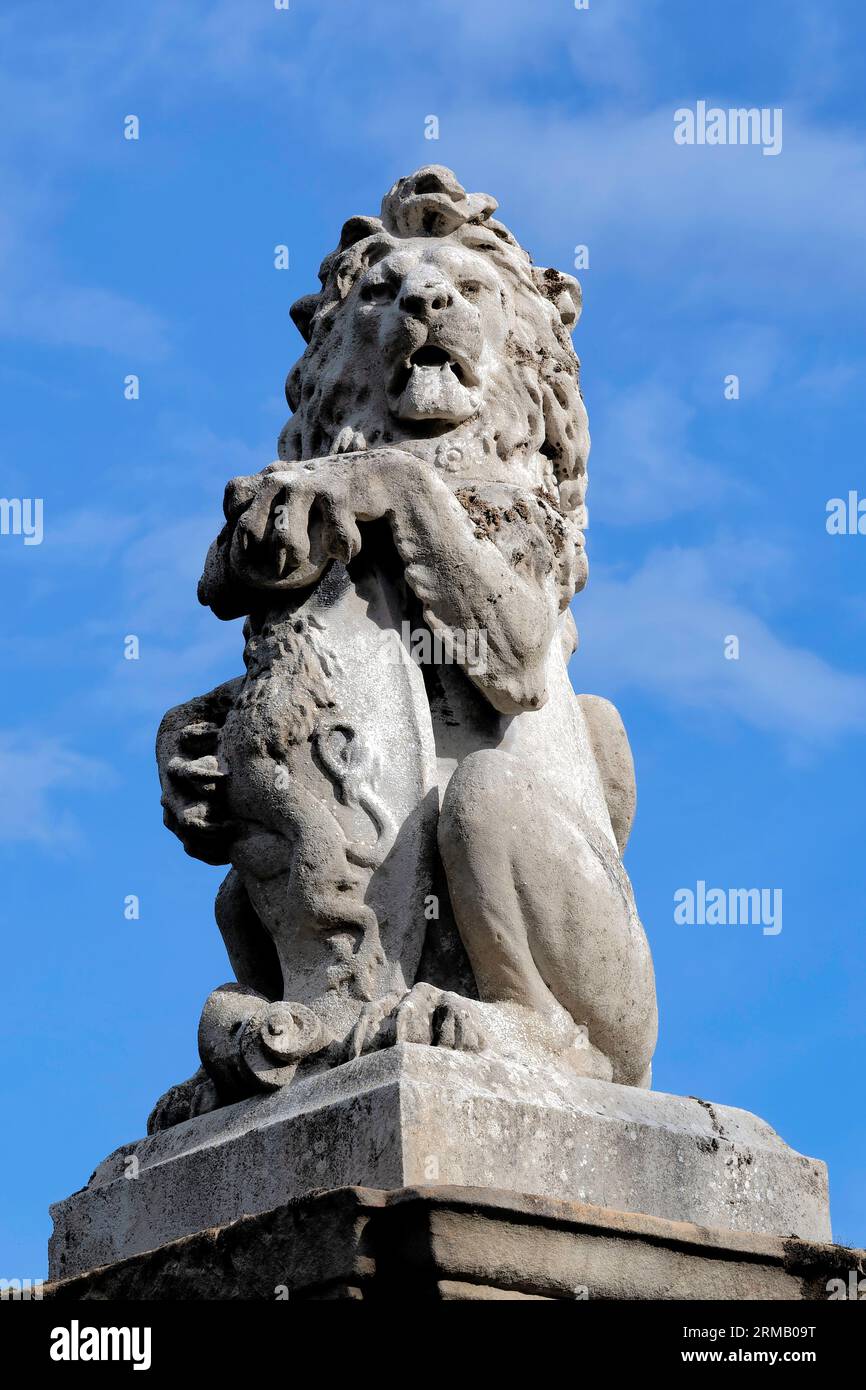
[(433, 384)]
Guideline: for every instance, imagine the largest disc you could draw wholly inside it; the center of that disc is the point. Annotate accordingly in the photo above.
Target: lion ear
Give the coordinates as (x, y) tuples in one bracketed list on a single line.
[(357, 228), (570, 302), (302, 312), (563, 291)]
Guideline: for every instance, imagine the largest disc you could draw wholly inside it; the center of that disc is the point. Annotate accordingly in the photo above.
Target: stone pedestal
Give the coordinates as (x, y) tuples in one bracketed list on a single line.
[(415, 1116), (444, 1243)]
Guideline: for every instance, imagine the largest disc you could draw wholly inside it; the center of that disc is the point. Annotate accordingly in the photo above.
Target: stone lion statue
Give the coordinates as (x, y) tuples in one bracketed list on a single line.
[(421, 851)]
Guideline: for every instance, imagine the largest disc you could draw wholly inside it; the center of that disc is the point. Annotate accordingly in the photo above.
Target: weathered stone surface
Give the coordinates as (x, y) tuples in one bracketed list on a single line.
[(445, 1243), (411, 1114), (422, 847), (440, 971)]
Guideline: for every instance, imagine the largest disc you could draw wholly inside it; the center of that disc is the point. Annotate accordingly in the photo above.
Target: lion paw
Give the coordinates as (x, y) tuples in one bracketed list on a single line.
[(425, 1014), (376, 1026), (349, 441), (440, 1018), (196, 1096)]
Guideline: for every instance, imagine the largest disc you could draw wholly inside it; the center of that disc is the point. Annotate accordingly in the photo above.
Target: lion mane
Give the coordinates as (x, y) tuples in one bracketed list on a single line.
[(532, 407)]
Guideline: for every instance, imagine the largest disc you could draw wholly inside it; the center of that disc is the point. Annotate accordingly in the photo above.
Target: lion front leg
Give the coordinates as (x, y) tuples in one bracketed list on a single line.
[(546, 914)]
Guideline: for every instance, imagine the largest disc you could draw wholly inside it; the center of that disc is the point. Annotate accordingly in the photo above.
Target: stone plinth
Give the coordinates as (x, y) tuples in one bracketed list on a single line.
[(444, 1243), (415, 1115)]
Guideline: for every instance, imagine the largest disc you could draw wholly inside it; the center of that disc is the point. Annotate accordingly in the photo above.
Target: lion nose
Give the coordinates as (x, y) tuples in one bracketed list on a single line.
[(423, 301)]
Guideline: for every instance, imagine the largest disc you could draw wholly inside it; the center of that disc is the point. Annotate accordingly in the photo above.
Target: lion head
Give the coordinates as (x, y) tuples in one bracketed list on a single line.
[(434, 331)]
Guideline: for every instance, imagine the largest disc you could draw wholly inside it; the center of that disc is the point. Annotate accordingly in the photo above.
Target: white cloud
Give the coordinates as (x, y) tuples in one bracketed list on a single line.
[(78, 316), (161, 570), (34, 773), (754, 352), (662, 629), (141, 691), (724, 226), (646, 470), (717, 226), (184, 650)]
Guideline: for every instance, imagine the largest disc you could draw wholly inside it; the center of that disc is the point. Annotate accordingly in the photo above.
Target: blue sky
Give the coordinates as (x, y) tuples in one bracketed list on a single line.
[(155, 257)]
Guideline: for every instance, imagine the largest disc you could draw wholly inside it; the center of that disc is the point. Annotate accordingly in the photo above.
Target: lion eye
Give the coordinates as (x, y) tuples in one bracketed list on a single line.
[(470, 289), (377, 292)]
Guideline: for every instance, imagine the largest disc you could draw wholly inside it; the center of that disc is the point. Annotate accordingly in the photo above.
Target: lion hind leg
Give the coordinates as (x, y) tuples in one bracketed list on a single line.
[(547, 921)]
